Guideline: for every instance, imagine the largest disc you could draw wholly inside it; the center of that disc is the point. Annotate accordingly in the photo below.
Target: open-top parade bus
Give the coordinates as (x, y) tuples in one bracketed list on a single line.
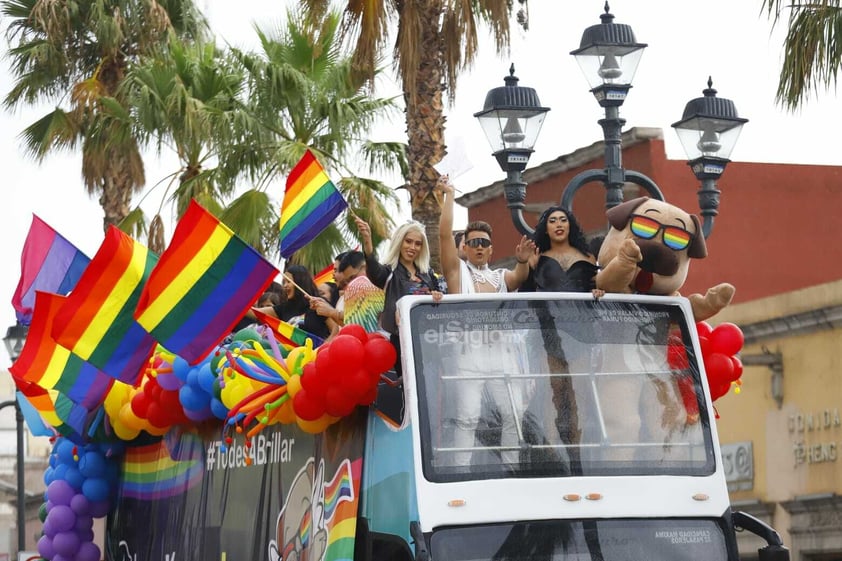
[(546, 426)]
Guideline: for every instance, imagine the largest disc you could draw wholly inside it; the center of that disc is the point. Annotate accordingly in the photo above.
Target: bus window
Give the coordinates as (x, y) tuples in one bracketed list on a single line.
[(554, 388)]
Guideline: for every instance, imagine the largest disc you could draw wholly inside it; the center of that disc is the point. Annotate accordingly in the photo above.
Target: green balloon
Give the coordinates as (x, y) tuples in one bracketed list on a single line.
[(42, 512)]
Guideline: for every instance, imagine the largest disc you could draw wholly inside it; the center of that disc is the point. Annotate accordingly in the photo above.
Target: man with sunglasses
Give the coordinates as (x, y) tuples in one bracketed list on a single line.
[(473, 274)]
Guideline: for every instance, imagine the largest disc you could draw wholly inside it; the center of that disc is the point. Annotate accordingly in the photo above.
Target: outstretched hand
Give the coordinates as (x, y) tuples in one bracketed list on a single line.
[(525, 249), (365, 234)]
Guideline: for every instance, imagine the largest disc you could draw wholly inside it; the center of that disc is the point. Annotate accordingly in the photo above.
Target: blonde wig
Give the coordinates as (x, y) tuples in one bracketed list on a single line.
[(422, 261)]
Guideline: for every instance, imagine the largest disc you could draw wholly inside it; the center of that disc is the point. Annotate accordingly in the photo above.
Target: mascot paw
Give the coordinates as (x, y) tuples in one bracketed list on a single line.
[(714, 300), (630, 252)]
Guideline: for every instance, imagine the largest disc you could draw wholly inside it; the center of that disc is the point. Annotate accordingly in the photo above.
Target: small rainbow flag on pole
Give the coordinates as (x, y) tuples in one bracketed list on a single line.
[(200, 288), (48, 262), (51, 366), (311, 202), (96, 323), (325, 275), (54, 409), (288, 335)]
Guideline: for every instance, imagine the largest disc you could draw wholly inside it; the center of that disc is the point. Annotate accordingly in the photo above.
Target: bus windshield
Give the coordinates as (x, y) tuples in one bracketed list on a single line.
[(603, 540), (556, 388)]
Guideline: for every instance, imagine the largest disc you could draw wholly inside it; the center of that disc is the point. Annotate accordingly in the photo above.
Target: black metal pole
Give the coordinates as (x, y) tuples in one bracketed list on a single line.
[(20, 468)]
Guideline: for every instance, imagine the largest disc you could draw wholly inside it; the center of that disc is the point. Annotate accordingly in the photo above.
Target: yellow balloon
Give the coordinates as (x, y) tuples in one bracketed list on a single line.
[(123, 432), (236, 389), (286, 414), (317, 426), (293, 385), (129, 419), (115, 398), (156, 431)]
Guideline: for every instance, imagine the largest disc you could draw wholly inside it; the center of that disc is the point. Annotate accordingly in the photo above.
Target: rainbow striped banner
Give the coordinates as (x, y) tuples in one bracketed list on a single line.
[(51, 366), (164, 469), (48, 262), (206, 279), (311, 202), (95, 323), (56, 410)]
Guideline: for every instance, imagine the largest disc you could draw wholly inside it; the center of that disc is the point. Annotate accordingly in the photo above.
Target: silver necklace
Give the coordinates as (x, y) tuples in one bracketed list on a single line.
[(484, 275)]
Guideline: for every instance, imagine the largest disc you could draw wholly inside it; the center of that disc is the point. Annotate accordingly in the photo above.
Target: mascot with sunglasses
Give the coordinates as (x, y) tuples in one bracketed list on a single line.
[(648, 249)]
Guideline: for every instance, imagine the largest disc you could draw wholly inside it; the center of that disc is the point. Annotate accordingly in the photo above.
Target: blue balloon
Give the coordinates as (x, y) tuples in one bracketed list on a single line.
[(64, 450), (92, 464), (49, 475), (193, 377), (180, 368), (60, 471), (74, 477), (192, 398), (218, 409), (95, 489), (206, 377), (53, 460)]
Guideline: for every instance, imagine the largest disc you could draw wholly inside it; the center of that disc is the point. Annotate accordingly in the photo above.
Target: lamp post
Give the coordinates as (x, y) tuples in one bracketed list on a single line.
[(608, 55), (14, 340)]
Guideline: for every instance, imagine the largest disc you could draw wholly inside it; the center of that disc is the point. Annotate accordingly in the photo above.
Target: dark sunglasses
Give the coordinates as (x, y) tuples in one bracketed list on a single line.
[(647, 228), (478, 242)]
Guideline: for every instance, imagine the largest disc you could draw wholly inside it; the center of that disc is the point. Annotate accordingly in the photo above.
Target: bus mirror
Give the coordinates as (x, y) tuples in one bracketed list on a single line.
[(775, 551), (421, 553)]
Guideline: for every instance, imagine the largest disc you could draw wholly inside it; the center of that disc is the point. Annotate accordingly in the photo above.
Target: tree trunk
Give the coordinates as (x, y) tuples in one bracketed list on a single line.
[(425, 128), (118, 185)]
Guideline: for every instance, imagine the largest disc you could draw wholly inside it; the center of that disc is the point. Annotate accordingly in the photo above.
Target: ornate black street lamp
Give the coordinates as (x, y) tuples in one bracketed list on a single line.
[(608, 55), (14, 340)]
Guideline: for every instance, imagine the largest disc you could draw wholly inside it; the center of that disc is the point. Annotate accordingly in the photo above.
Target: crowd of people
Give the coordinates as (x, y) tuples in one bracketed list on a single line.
[(556, 258)]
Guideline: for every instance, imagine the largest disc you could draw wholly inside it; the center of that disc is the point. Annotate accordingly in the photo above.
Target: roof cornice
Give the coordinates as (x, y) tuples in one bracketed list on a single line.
[(566, 162)]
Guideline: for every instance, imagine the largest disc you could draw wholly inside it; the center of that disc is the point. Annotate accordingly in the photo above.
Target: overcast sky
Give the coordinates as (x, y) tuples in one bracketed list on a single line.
[(687, 41)]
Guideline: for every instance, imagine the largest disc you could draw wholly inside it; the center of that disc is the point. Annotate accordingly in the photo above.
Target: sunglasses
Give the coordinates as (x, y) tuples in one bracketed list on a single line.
[(478, 242), (647, 228)]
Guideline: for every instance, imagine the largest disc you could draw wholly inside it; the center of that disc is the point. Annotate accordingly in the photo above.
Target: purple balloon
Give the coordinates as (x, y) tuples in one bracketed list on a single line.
[(48, 528), (61, 518), (60, 492), (60, 557), (87, 552), (85, 535), (49, 505), (80, 504), (100, 508), (200, 415), (66, 543), (84, 522), (95, 489), (45, 547), (169, 381)]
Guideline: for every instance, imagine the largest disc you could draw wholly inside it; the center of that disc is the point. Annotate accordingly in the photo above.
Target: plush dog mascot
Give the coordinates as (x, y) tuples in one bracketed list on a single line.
[(648, 249)]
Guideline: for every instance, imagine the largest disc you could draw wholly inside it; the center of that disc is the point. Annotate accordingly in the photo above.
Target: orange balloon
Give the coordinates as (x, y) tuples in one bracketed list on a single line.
[(315, 427), (286, 414)]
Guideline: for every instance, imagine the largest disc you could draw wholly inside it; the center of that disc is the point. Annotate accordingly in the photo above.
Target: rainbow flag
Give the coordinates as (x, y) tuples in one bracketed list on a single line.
[(161, 470), (66, 418), (325, 275), (202, 285), (342, 501), (51, 366), (287, 334), (311, 202), (48, 262), (95, 323)]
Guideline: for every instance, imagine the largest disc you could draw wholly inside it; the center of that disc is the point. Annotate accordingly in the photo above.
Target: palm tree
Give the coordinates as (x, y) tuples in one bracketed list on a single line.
[(436, 39), (304, 93), (77, 54), (812, 48)]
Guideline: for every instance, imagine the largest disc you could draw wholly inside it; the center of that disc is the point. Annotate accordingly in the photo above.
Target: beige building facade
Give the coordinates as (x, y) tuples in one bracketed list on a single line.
[(782, 434)]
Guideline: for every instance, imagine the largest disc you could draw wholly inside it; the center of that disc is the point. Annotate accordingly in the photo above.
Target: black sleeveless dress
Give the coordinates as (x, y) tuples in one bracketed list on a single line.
[(550, 277)]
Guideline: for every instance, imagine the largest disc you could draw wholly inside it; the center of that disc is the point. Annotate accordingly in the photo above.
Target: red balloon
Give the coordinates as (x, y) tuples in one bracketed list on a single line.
[(324, 360), (140, 404), (718, 390), (738, 368), (704, 343), (727, 338), (355, 382), (307, 406), (311, 381), (380, 355), (368, 397), (339, 402), (355, 330), (346, 351), (677, 356), (156, 415), (719, 368), (703, 328)]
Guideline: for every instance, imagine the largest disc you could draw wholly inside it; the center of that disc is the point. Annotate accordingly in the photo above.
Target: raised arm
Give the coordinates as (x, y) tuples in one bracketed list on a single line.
[(449, 255), (524, 251), (376, 272)]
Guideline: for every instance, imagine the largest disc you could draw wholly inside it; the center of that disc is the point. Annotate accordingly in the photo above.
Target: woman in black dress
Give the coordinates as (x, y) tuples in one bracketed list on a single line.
[(565, 263)]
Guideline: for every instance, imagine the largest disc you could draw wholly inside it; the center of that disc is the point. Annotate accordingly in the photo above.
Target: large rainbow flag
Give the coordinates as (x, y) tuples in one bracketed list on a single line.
[(311, 202), (96, 323), (51, 366), (201, 286), (48, 262)]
